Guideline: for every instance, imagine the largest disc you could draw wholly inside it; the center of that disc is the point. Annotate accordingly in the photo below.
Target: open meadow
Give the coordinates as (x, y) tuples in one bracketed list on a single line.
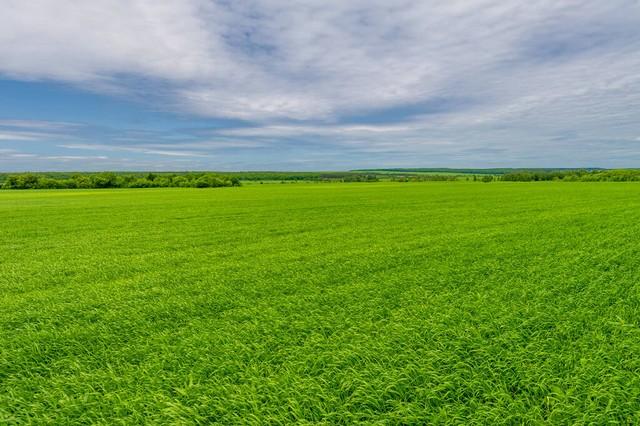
[(337, 303)]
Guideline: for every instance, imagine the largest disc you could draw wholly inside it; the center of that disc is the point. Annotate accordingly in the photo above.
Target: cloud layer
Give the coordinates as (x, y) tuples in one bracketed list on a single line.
[(343, 83)]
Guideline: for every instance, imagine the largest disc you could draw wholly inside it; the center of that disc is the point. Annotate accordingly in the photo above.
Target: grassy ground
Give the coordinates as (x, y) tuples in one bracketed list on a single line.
[(338, 303)]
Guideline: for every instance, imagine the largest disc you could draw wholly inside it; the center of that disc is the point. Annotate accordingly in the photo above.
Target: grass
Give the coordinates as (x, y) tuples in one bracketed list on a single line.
[(385, 303)]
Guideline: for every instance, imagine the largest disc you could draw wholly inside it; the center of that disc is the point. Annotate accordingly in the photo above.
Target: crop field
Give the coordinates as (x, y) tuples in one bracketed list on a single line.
[(370, 303)]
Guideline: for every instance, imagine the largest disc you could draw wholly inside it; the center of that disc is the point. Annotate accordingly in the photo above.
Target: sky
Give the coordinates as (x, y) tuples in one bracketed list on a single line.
[(318, 85)]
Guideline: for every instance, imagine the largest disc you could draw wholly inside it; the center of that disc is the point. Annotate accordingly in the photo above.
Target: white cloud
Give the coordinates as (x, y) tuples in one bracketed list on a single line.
[(257, 59), (21, 136), (37, 124), (74, 157), (143, 149)]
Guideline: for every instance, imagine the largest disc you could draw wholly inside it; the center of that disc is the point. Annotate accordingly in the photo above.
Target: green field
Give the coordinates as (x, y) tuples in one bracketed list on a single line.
[(383, 303)]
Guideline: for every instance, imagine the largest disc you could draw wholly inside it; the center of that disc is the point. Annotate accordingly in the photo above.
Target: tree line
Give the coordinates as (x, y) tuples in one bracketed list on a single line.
[(305, 176), (116, 180), (614, 175), (466, 172), (424, 178), (64, 180)]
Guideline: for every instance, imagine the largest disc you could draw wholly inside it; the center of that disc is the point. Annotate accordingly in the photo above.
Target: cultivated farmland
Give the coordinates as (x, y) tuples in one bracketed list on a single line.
[(388, 303)]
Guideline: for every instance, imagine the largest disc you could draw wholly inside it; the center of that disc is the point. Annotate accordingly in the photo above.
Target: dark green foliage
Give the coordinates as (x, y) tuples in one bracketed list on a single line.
[(168, 179), (424, 178), (620, 175), (494, 171), (305, 176), (106, 180), (22, 181), (115, 180), (360, 178)]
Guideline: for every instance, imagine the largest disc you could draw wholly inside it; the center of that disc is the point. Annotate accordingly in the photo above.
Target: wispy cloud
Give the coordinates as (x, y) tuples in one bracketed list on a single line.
[(37, 124), (33, 130), (143, 149), (74, 157), (21, 136)]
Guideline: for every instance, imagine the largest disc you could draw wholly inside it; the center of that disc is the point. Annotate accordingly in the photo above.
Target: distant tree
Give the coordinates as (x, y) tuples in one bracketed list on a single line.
[(140, 183), (82, 181), (180, 181), (105, 180)]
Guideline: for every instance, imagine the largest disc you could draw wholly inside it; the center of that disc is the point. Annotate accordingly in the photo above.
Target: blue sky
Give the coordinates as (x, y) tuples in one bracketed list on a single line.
[(318, 85)]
